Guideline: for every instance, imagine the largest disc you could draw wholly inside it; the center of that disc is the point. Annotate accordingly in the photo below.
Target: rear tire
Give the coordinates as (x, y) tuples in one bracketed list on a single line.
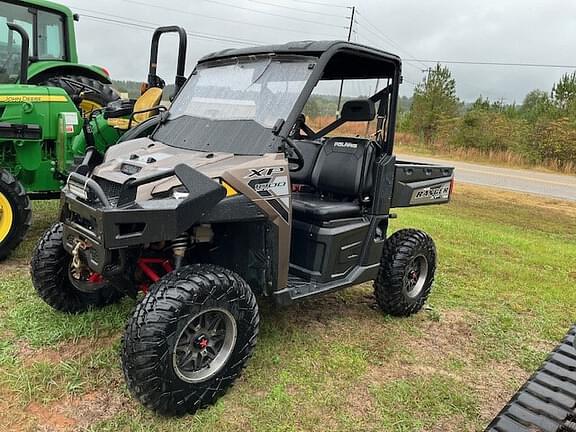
[(97, 94), (175, 363), (50, 269), (406, 272), (15, 213)]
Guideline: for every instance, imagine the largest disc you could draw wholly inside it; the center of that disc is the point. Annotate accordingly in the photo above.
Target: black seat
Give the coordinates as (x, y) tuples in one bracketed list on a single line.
[(312, 208), (341, 176)]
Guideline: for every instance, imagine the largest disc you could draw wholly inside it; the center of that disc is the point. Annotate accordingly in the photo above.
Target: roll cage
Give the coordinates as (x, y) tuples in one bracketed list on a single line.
[(337, 60)]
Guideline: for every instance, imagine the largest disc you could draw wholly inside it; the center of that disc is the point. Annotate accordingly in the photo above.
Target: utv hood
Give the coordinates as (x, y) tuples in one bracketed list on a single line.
[(141, 158)]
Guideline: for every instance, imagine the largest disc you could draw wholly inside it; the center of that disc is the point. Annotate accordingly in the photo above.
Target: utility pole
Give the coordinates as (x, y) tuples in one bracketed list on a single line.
[(349, 37)]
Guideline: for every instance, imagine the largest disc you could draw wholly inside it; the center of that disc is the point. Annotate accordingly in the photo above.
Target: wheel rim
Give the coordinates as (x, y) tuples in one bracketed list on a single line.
[(415, 276), (6, 217), (204, 345), (87, 106)]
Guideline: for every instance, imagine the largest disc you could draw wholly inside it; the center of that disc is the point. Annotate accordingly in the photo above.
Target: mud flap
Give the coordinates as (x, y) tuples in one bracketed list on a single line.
[(547, 402)]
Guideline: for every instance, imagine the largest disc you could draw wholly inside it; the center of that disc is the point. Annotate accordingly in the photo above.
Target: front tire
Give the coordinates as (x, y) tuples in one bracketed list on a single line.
[(189, 339), (406, 272), (50, 272), (15, 213)]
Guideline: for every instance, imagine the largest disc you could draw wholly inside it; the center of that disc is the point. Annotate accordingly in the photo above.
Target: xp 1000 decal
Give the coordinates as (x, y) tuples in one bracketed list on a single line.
[(274, 189)]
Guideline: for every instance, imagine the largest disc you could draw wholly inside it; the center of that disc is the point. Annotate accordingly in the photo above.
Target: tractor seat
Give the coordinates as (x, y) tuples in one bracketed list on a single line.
[(343, 173), (142, 107)]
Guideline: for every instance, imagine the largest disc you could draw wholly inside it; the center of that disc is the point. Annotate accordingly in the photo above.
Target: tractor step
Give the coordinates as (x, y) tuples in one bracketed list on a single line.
[(547, 402)]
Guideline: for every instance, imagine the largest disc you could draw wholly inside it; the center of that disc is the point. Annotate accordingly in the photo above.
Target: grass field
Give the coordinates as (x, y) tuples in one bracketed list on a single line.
[(504, 296)]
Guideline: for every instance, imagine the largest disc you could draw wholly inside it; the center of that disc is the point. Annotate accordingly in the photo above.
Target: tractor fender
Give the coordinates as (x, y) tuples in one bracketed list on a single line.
[(38, 72)]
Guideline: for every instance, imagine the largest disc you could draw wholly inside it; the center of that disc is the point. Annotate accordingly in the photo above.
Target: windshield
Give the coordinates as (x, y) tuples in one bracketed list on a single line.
[(47, 41), (233, 107), (263, 90)]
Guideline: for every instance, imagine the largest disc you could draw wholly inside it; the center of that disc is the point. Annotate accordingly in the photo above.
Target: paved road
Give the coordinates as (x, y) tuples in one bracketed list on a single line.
[(552, 185)]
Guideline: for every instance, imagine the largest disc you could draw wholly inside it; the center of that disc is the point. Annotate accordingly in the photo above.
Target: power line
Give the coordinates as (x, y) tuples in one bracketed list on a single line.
[(404, 62), (300, 20), (153, 26), (296, 9), (490, 63), (321, 4), (413, 59), (377, 31), (195, 14)]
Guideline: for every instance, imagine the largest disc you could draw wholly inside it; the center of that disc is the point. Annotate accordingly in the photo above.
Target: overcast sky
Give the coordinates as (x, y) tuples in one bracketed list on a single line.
[(519, 31)]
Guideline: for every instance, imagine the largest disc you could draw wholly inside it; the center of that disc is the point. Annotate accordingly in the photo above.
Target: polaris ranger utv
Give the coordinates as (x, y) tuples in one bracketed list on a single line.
[(235, 196)]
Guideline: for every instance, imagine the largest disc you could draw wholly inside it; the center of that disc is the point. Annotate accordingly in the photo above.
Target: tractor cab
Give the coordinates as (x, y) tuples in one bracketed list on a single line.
[(50, 27)]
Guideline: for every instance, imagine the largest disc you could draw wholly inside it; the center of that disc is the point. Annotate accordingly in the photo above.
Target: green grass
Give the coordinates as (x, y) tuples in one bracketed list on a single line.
[(502, 299), (413, 404)]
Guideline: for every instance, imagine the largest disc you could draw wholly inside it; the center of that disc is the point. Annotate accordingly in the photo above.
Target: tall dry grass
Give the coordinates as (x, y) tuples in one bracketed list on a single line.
[(410, 143)]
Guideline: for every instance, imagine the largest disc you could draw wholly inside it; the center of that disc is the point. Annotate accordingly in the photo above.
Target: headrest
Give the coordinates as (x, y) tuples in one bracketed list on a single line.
[(358, 110)]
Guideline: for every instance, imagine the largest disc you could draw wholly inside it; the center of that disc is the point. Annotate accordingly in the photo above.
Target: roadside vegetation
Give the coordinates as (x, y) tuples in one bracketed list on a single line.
[(502, 300), (540, 131)]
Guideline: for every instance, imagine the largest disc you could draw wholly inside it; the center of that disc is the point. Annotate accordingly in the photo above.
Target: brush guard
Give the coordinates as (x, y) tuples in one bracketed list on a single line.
[(89, 216)]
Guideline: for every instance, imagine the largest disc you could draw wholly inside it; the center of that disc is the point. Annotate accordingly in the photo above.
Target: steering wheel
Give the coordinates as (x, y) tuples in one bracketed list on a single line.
[(294, 155)]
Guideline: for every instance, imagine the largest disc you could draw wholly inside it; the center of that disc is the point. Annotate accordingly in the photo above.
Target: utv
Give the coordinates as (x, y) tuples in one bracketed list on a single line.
[(235, 196)]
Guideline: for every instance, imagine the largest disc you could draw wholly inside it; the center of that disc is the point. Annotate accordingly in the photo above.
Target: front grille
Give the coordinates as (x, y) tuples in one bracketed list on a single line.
[(111, 189)]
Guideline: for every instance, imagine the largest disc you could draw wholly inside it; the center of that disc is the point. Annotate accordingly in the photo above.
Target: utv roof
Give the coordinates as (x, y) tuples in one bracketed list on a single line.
[(346, 60)]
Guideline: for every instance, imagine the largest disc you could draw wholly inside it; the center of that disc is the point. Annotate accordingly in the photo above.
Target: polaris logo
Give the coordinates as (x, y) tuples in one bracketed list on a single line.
[(346, 145)]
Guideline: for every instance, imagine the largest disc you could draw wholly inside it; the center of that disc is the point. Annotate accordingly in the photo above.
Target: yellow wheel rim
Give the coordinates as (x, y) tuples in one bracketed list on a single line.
[(87, 106), (6, 217)]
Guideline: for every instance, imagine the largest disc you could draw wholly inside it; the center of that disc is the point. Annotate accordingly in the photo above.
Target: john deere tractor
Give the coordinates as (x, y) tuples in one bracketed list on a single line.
[(53, 109), (42, 90)]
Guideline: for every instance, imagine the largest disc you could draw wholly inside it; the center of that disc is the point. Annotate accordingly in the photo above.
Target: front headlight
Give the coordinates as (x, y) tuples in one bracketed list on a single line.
[(230, 191), (180, 193), (77, 189)]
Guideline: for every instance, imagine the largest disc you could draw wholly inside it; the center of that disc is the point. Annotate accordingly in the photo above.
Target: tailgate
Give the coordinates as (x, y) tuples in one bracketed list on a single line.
[(421, 184)]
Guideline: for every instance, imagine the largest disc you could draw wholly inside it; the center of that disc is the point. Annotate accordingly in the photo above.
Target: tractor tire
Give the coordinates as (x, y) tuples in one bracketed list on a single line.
[(189, 339), (51, 277), (100, 94), (406, 273), (15, 213)]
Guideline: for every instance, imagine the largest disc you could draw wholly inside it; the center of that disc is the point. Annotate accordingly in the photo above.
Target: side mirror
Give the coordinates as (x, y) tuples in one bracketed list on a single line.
[(358, 110)]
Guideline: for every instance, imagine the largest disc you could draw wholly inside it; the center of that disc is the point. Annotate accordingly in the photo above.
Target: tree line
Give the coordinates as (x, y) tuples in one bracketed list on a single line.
[(542, 129)]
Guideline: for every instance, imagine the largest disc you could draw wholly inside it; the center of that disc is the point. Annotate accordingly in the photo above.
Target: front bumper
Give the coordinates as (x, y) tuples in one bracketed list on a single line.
[(105, 228)]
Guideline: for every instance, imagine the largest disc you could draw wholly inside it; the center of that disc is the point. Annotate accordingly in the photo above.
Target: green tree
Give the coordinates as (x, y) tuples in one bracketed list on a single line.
[(564, 94), (434, 102), (537, 105)]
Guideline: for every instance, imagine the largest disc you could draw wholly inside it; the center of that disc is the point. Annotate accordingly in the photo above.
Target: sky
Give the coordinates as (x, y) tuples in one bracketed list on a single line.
[(512, 31)]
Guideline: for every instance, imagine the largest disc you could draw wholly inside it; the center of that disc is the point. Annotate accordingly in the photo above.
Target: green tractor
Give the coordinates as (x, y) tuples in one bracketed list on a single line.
[(42, 90), (52, 109)]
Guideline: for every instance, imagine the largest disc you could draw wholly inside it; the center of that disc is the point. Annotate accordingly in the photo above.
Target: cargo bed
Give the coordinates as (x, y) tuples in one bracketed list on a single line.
[(421, 184)]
